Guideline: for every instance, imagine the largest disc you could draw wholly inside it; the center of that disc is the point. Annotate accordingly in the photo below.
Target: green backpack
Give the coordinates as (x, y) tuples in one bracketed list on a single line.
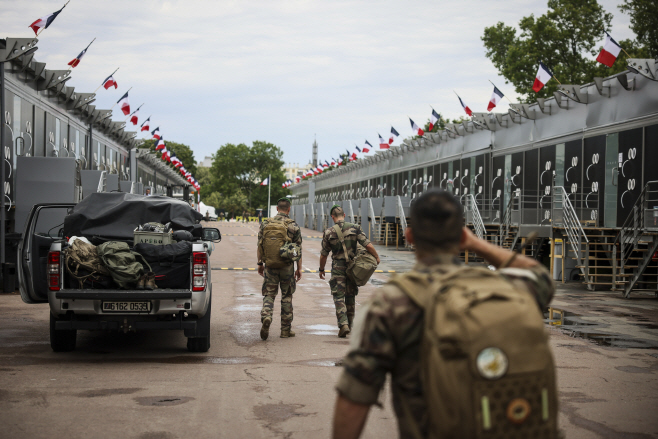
[(486, 365), (362, 267), (275, 236), (122, 263)]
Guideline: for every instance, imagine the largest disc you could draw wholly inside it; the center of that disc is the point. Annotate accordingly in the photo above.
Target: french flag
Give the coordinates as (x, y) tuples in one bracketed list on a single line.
[(160, 145), (166, 156), (44, 22), (156, 133), (124, 103), (544, 75), (146, 126), (109, 82), (320, 170), (434, 118), (188, 173), (466, 109), (416, 128), (383, 144), (325, 164), (394, 135), (134, 117), (354, 154), (75, 61), (297, 179), (496, 97), (333, 161), (609, 52), (265, 182), (340, 160), (367, 147)]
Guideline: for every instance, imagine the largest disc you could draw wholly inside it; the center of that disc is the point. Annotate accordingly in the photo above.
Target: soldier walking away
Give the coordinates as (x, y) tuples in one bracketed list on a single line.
[(343, 290), (274, 233), (486, 370)]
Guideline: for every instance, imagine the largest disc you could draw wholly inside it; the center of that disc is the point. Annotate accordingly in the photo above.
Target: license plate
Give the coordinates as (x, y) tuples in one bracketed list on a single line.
[(126, 306)]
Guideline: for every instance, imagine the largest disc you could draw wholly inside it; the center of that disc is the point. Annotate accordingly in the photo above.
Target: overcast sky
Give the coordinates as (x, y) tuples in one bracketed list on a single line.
[(214, 72)]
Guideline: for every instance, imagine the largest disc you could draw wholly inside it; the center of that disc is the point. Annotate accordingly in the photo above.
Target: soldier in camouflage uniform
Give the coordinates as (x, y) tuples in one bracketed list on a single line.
[(286, 277), (388, 330), (343, 290)]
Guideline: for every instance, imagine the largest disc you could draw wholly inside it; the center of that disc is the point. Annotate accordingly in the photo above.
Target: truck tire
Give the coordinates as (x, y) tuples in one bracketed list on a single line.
[(201, 341), (61, 340)]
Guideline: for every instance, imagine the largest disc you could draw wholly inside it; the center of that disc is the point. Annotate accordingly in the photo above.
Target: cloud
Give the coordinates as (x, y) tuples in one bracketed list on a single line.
[(212, 72)]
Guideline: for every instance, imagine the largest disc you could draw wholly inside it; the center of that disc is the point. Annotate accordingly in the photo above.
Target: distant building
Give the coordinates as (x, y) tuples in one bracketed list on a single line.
[(206, 163), (291, 170)]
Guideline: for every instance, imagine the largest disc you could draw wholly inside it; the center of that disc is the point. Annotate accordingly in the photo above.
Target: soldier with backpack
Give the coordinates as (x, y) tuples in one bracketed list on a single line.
[(465, 346), (342, 241), (279, 246)]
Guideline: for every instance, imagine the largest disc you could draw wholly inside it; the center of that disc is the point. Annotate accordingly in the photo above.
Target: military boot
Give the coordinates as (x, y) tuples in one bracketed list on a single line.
[(141, 282), (285, 333), (265, 329), (149, 281), (344, 330), (350, 320)]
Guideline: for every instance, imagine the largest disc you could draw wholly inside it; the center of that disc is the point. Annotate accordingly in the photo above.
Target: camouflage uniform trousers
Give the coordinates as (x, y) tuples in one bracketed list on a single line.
[(273, 278), (344, 292)]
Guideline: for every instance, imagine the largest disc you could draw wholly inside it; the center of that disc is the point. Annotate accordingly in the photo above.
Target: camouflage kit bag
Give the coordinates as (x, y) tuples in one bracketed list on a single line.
[(122, 263), (486, 365), (290, 252), (83, 264), (362, 267), (275, 236)]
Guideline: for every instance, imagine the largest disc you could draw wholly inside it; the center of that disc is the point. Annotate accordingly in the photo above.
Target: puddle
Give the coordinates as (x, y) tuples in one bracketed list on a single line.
[(377, 281), (320, 363), (321, 329), (247, 308), (29, 361), (598, 332), (160, 401)]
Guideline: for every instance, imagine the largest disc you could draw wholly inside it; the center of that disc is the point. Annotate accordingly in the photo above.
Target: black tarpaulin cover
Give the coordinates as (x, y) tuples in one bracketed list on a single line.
[(115, 215)]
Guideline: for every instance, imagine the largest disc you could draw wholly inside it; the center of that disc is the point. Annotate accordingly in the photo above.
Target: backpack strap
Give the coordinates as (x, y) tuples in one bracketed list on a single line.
[(341, 238), (142, 257)]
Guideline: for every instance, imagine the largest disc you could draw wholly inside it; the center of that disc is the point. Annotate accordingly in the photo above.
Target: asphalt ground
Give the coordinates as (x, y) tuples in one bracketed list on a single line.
[(146, 385)]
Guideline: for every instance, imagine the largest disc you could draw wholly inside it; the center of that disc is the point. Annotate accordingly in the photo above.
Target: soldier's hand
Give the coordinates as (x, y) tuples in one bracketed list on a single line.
[(378, 260), (468, 238), (322, 275), (261, 270), (298, 274)]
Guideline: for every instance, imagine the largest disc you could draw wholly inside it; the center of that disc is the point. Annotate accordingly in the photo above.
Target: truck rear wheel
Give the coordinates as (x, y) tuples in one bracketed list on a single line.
[(200, 342), (61, 340)]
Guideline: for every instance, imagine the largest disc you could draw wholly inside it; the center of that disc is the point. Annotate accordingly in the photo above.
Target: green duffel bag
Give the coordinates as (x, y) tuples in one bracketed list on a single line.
[(122, 263), (362, 267)]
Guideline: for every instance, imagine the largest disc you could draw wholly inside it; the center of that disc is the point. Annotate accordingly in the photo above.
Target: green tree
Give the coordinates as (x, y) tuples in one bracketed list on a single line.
[(644, 22), (239, 169), (564, 38)]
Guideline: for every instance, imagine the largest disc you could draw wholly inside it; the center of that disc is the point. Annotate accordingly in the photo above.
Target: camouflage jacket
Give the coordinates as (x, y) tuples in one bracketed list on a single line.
[(387, 339), (352, 234), (294, 232)]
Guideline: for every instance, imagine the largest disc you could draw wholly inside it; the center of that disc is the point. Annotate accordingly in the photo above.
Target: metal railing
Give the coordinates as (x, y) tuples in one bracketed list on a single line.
[(642, 218), (565, 215), (374, 227), (473, 213), (102, 182), (506, 220), (351, 212)]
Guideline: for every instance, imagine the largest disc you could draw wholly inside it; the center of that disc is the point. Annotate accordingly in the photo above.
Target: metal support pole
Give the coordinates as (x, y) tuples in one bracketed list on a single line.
[(3, 214), (269, 190)]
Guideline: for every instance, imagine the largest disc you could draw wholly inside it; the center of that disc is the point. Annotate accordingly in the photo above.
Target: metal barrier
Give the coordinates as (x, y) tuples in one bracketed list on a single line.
[(564, 215), (473, 213)]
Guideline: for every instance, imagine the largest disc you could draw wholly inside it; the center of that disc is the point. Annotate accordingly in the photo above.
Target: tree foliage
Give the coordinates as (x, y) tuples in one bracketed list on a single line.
[(644, 22), (233, 181), (564, 38)]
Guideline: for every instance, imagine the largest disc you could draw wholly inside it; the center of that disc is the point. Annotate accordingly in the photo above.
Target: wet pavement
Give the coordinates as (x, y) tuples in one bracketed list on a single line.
[(146, 385)]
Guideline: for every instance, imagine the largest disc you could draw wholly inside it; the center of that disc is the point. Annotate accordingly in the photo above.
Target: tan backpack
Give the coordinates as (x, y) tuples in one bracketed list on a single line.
[(486, 365), (275, 236)]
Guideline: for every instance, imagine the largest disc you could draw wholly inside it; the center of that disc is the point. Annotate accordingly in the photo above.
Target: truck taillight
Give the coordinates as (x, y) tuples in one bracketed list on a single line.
[(54, 271), (199, 271)]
